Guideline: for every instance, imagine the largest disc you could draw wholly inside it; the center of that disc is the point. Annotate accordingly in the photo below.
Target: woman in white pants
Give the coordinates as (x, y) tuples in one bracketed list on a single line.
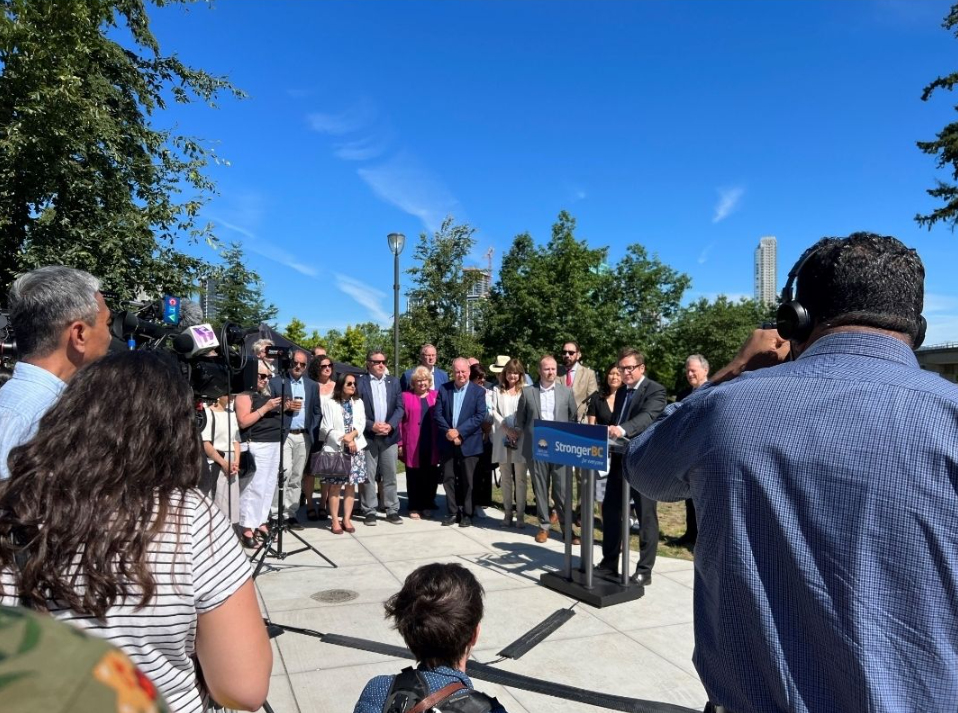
[(260, 418), (506, 439)]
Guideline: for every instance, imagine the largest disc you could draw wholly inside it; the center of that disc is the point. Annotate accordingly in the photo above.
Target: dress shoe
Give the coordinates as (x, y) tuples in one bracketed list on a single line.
[(349, 528), (542, 536), (312, 514), (249, 541), (608, 566), (323, 514), (466, 521), (294, 524), (336, 530), (643, 578), (554, 517), (449, 521), (393, 518), (369, 519)]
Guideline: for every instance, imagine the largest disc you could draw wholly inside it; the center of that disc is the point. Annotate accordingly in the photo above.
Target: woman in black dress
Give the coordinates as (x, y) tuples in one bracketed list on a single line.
[(602, 402)]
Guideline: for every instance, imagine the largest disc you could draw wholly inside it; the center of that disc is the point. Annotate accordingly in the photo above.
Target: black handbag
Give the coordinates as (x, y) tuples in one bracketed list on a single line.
[(330, 463)]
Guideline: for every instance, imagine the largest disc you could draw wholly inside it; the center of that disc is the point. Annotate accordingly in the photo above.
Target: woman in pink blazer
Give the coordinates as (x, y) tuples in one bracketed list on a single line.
[(419, 444)]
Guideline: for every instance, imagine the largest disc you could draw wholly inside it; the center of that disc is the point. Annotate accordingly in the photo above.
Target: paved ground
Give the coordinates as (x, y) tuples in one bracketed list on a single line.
[(641, 649)]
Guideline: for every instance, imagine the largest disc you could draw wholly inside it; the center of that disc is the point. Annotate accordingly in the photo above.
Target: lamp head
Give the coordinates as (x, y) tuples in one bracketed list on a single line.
[(397, 241)]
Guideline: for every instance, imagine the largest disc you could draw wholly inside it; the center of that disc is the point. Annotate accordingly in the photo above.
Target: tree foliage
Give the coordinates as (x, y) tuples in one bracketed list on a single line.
[(85, 178), (437, 301), (296, 332), (350, 347), (945, 147), (716, 330), (566, 290), (239, 291)]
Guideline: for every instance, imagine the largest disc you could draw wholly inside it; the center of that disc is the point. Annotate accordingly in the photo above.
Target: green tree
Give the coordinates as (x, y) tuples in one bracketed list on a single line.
[(351, 347), (945, 147), (437, 301), (239, 291), (567, 290), (296, 332), (86, 179), (715, 330)]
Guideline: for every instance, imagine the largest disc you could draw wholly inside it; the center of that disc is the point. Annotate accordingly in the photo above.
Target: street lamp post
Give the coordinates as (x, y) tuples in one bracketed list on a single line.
[(397, 241)]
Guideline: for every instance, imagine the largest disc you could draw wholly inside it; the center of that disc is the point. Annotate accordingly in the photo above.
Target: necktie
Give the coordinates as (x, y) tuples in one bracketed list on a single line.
[(625, 405), (568, 378)]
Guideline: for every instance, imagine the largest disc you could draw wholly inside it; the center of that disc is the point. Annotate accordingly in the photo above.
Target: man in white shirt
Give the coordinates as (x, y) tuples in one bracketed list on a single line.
[(61, 323), (546, 400)]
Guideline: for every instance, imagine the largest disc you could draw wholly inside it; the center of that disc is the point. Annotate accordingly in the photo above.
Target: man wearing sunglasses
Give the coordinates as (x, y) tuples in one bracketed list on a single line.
[(382, 397), (301, 419)]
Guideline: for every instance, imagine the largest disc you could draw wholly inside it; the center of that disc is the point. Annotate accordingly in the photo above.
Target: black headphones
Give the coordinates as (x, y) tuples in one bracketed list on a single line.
[(793, 320)]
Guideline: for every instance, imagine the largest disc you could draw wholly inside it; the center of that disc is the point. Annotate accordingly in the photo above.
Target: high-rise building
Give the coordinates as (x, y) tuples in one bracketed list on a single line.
[(209, 299), (479, 291), (766, 267)]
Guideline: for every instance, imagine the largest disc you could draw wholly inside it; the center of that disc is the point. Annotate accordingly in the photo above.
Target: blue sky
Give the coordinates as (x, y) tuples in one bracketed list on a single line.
[(693, 128)]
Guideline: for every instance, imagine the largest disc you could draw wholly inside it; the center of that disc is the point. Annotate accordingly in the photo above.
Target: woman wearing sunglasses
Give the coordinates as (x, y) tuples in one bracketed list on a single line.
[(344, 419), (258, 414), (320, 371)]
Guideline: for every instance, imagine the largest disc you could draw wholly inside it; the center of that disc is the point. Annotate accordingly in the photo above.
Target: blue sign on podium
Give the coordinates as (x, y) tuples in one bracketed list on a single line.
[(571, 444)]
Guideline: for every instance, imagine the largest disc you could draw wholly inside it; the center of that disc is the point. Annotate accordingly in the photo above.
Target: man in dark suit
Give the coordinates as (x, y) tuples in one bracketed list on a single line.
[(427, 358), (301, 418), (460, 413), (546, 400), (382, 398), (637, 404)]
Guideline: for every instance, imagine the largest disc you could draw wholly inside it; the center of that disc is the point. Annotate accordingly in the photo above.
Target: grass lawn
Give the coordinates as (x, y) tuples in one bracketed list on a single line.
[(671, 524)]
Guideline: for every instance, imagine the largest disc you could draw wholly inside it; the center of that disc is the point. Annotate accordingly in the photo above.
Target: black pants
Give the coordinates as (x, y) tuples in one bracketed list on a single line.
[(691, 524), (421, 486), (612, 521), (482, 479), (457, 474)]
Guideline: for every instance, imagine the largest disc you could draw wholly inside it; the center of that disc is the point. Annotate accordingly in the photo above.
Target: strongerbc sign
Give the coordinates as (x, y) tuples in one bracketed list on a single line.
[(571, 444)]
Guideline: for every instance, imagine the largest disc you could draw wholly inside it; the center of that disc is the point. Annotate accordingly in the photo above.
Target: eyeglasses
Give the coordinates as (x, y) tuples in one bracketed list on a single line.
[(630, 368), (300, 364), (566, 351), (325, 366), (350, 383), (262, 376), (377, 361)]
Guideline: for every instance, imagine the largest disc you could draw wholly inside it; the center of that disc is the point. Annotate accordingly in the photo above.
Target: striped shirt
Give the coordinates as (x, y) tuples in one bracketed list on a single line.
[(194, 576), (826, 492)]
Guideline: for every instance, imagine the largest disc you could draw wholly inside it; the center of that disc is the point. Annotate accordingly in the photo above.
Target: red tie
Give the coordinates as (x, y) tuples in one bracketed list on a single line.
[(568, 378)]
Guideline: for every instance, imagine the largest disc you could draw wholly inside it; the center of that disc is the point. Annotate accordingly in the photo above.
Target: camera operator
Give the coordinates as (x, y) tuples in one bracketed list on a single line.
[(826, 568), (61, 323)]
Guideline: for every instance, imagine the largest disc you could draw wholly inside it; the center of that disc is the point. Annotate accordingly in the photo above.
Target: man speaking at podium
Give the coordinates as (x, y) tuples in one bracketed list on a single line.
[(826, 570)]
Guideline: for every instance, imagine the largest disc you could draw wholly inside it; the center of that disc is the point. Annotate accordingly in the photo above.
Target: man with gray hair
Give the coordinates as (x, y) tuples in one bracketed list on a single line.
[(696, 373), (61, 323)]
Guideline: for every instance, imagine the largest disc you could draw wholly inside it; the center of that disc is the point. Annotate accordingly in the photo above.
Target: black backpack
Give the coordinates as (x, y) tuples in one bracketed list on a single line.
[(409, 691)]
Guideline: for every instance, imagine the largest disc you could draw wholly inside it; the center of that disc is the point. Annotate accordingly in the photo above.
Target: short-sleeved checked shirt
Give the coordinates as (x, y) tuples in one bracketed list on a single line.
[(826, 567)]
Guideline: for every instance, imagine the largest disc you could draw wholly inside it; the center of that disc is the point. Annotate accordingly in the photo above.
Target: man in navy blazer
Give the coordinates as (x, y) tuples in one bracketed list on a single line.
[(460, 413), (382, 398), (301, 418), (427, 358)]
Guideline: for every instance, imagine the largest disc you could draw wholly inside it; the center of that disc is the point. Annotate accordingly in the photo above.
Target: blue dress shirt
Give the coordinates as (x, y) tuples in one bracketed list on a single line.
[(826, 491), (297, 389), (23, 400), (458, 396)]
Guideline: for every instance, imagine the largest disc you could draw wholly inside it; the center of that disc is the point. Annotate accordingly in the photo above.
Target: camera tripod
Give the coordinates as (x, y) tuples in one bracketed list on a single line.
[(272, 545)]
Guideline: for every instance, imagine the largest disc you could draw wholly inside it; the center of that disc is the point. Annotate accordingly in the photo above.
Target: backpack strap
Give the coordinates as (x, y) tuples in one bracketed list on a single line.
[(408, 687), (438, 697)]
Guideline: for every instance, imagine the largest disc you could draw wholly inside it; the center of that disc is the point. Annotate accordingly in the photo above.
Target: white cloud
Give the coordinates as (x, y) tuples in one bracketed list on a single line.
[(704, 255), (369, 297), (355, 118), (361, 149), (267, 249), (403, 182), (728, 202)]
